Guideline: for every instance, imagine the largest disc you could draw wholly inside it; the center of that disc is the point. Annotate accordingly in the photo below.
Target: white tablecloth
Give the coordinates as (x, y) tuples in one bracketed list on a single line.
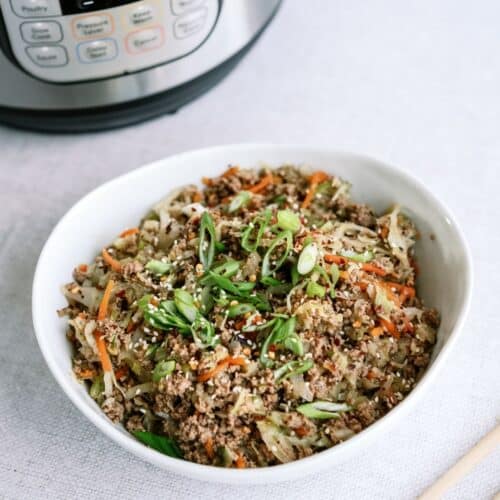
[(416, 83)]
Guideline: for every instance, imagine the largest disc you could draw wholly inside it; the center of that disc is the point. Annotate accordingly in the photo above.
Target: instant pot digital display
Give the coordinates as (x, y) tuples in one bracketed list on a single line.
[(78, 6)]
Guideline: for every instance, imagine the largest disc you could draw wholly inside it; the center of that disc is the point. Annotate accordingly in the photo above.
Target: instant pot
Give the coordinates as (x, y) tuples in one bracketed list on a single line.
[(75, 65)]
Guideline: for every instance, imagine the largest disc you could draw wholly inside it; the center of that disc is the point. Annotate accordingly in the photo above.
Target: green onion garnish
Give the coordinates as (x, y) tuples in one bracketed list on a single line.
[(203, 332), (288, 220), (239, 310), (163, 444), (250, 239), (228, 269), (366, 256), (335, 272), (239, 201), (158, 267), (315, 290), (270, 263), (292, 368), (323, 409), (162, 369), (307, 259), (206, 249), (185, 303), (282, 333)]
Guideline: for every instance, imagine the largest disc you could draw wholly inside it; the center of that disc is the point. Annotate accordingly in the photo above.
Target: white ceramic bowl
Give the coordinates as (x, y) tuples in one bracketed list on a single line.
[(444, 282)]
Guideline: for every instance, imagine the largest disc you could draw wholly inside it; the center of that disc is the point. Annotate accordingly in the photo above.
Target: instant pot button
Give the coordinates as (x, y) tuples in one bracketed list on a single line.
[(41, 31), (50, 56), (92, 26), (145, 40), (36, 8), (181, 6), (141, 15), (97, 51), (189, 24)]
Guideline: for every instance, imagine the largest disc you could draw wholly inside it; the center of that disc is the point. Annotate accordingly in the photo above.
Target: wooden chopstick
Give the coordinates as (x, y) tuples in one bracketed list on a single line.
[(479, 452)]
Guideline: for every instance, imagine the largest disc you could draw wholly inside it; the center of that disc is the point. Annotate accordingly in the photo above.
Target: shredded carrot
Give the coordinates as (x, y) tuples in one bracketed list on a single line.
[(231, 171), (197, 196), (99, 338), (405, 292), (261, 185), (376, 331), (340, 260), (129, 232), (86, 374), (207, 181), (103, 306), (384, 232), (221, 365), (301, 431), (314, 180), (389, 326), (83, 268), (372, 268), (209, 448), (103, 353), (240, 462), (408, 325), (111, 262), (344, 275), (335, 259), (356, 324), (121, 372)]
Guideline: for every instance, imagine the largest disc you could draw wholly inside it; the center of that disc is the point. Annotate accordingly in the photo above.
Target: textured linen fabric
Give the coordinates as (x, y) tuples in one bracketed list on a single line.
[(415, 83)]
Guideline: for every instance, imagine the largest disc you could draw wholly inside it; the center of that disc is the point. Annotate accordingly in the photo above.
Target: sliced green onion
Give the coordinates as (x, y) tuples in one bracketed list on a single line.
[(250, 239), (162, 369), (239, 310), (264, 350), (163, 444), (158, 267), (282, 333), (315, 290), (97, 387), (288, 220), (335, 272), (151, 350), (268, 268), (323, 409), (292, 368), (280, 199), (239, 201), (366, 256), (203, 332), (206, 299), (206, 249), (307, 259), (185, 303), (295, 274), (228, 269), (164, 317)]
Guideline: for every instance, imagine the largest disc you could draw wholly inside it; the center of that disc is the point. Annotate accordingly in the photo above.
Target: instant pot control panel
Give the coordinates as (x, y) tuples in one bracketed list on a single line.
[(79, 40)]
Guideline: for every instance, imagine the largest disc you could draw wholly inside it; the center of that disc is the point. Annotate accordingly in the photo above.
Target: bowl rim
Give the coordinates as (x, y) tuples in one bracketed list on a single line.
[(282, 472)]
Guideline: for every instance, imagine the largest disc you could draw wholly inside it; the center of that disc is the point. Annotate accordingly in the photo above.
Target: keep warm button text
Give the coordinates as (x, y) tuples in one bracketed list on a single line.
[(145, 40)]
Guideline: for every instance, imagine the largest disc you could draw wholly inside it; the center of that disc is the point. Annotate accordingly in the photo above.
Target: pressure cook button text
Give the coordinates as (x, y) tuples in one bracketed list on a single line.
[(92, 26)]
